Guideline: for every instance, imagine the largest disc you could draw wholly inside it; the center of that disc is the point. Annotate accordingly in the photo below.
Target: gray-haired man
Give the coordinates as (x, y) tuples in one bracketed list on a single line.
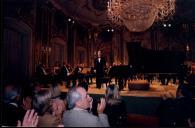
[(78, 101)]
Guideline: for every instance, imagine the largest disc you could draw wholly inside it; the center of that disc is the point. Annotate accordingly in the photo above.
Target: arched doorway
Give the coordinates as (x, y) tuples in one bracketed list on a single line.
[(17, 50)]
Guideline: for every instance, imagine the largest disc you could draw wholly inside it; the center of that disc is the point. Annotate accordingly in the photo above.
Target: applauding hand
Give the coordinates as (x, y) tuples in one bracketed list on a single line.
[(30, 119), (101, 106)]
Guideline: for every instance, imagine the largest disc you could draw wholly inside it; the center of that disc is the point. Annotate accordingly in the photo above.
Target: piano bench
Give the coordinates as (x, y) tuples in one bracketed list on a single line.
[(138, 85)]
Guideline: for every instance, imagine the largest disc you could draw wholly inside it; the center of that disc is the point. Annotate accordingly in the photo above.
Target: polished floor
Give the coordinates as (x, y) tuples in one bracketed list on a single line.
[(156, 90)]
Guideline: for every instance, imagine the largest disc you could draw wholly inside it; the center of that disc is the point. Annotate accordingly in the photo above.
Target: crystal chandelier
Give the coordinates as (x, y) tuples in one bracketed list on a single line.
[(139, 15), (114, 11)]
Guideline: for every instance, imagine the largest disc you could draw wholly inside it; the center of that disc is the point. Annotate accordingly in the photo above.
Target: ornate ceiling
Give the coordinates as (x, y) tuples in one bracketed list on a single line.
[(94, 11)]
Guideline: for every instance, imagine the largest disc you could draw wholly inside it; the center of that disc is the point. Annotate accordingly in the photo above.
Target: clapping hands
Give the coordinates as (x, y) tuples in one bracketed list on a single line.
[(30, 119), (58, 106), (101, 106)]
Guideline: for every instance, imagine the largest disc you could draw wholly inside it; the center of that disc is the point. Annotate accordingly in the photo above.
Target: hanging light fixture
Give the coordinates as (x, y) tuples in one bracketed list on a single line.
[(139, 15), (114, 11)]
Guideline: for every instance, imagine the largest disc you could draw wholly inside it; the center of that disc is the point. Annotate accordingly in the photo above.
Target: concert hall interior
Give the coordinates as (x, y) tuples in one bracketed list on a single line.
[(143, 47)]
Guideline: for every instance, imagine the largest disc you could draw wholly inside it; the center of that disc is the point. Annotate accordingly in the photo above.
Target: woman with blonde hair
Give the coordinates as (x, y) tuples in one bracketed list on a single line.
[(115, 107)]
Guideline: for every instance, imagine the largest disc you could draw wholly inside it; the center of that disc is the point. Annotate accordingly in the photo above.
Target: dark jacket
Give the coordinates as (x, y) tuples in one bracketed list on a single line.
[(99, 66), (117, 114)]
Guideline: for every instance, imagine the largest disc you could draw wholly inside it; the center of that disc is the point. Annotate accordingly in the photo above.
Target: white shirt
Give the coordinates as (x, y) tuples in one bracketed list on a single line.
[(99, 60)]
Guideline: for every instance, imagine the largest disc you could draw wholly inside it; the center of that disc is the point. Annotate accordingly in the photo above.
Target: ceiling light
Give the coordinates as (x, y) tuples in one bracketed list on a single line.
[(139, 15)]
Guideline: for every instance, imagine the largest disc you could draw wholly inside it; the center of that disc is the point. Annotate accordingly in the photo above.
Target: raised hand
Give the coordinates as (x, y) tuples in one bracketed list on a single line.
[(30, 119), (58, 107), (101, 106)]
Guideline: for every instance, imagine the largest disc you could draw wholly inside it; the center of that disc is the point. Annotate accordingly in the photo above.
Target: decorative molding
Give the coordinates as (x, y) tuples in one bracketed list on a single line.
[(90, 7)]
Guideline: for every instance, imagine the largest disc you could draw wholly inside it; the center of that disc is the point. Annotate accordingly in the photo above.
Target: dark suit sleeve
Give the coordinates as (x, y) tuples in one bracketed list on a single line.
[(95, 63)]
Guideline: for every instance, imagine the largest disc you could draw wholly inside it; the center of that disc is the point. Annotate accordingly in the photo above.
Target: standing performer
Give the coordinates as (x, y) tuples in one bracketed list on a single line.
[(99, 65)]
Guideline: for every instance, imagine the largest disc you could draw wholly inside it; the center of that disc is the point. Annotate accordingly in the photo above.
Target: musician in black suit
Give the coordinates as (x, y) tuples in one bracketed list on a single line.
[(40, 70), (99, 65), (64, 73)]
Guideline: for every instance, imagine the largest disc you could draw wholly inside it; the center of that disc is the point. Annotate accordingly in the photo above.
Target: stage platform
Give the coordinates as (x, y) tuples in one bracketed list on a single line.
[(137, 101), (155, 90)]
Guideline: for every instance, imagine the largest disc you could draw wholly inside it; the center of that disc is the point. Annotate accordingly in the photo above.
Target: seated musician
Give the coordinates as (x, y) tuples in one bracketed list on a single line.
[(64, 73), (42, 75), (92, 74), (56, 71), (88, 73), (40, 70), (56, 68), (76, 74)]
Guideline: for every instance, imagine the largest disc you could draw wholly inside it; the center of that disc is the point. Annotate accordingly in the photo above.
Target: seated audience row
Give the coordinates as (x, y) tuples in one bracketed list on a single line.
[(32, 106)]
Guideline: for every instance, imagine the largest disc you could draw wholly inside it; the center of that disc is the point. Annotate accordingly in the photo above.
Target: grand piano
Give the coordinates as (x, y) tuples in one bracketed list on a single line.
[(165, 64), (121, 73)]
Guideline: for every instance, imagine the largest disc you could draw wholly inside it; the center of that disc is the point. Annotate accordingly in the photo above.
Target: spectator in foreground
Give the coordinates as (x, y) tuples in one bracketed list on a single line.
[(58, 104), (42, 104), (79, 101), (25, 102), (30, 119), (175, 112), (10, 113), (115, 107)]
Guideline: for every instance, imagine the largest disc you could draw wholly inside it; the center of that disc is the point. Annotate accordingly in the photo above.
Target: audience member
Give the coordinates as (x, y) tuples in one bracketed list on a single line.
[(30, 119), (36, 86), (115, 107), (10, 105), (58, 105), (183, 105), (176, 112), (79, 101), (191, 120), (25, 102), (42, 105)]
